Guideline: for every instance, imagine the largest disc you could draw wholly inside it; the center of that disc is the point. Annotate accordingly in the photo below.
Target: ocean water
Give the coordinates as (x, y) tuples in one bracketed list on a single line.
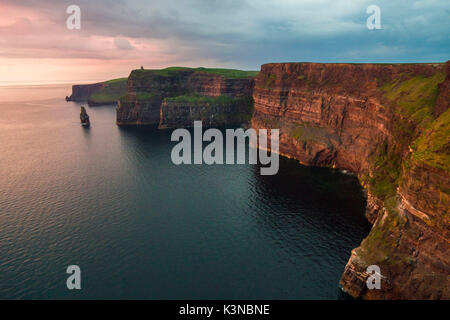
[(109, 200)]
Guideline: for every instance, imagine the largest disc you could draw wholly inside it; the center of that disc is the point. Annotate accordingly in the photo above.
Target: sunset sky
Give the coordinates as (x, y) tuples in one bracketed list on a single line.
[(118, 36)]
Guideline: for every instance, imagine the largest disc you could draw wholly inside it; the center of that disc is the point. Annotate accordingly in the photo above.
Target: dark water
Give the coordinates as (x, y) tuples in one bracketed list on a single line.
[(111, 201)]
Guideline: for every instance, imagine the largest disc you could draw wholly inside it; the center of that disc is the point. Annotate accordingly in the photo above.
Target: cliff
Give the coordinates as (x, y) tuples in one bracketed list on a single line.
[(221, 111), (389, 124), (175, 97), (101, 93), (82, 92)]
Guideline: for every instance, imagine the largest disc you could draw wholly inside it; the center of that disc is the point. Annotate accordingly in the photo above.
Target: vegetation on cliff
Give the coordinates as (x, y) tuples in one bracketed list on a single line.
[(110, 93), (433, 146), (171, 71), (390, 125), (198, 99), (411, 101), (420, 141)]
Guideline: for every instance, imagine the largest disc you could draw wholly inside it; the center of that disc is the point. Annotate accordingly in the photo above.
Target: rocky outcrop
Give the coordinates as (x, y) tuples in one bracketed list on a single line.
[(84, 117), (389, 125), (176, 97)]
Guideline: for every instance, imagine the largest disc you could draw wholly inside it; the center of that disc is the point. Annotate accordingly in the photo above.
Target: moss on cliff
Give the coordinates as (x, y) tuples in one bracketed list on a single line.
[(197, 99), (111, 92), (386, 119), (433, 146), (412, 101), (380, 245), (145, 95), (415, 97), (386, 169)]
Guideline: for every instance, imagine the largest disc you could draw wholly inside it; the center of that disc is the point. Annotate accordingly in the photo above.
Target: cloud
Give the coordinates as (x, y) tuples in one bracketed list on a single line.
[(123, 44), (234, 33)]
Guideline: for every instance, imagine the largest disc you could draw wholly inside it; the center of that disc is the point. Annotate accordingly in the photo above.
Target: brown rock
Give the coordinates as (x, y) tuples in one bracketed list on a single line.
[(84, 117), (339, 115)]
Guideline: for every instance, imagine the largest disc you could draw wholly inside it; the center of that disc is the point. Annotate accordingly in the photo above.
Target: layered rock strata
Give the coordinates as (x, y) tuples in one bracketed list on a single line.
[(175, 98), (389, 124)]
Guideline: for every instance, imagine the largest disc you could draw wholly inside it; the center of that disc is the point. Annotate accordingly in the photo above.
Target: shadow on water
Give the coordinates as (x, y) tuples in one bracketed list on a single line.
[(323, 198), (310, 218), (111, 200), (317, 188), (317, 210)]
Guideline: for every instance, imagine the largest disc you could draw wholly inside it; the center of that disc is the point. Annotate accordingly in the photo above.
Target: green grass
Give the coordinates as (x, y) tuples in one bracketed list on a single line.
[(415, 97), (226, 73), (386, 170), (197, 99), (412, 101), (144, 95), (381, 243), (114, 81), (433, 146), (113, 90)]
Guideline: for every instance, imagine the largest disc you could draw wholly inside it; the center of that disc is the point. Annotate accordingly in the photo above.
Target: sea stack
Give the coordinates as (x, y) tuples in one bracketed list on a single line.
[(84, 117)]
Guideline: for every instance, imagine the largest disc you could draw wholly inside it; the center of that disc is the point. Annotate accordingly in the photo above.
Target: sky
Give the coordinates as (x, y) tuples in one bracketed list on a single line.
[(117, 36)]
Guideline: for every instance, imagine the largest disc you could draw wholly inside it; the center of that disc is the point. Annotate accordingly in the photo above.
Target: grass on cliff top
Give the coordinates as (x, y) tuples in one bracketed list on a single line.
[(415, 97), (227, 73), (433, 146), (118, 80), (113, 90)]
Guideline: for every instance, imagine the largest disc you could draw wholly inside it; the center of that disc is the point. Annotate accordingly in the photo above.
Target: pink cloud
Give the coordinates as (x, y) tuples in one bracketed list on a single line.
[(36, 48)]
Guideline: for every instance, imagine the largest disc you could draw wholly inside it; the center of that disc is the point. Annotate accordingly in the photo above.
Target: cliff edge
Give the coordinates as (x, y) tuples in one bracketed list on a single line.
[(101, 93), (390, 125)]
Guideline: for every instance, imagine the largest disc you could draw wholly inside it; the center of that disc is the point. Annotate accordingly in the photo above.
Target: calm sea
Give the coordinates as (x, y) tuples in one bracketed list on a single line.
[(109, 200)]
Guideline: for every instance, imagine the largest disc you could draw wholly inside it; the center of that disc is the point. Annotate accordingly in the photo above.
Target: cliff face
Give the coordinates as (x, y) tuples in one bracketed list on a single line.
[(82, 92), (181, 112), (176, 97), (101, 93), (389, 124)]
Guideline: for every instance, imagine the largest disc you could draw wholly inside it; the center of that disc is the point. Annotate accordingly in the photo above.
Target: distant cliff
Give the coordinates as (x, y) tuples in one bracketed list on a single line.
[(175, 97), (101, 93), (390, 125)]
